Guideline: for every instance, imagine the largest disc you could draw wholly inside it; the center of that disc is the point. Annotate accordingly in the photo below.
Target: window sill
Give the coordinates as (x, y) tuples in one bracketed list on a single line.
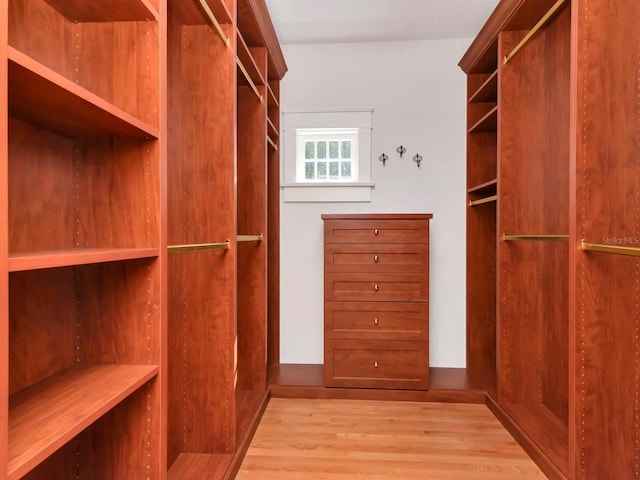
[(327, 192)]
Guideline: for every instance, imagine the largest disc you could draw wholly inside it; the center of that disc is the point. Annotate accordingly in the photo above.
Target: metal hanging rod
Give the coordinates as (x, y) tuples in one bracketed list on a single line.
[(248, 77), (533, 31), (614, 249), (214, 22), (272, 143), (492, 198), (249, 238), (535, 238), (197, 247)]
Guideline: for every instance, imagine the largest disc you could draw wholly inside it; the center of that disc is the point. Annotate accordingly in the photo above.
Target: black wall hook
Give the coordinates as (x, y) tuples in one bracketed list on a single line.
[(383, 158), (401, 150), (417, 158)]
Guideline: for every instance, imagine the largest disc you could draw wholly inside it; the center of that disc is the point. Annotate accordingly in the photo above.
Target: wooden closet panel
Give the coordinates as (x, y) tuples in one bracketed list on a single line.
[(202, 303), (533, 181), (482, 151), (42, 160), (252, 256), (118, 306), (201, 198), (4, 241), (42, 325), (607, 199), (481, 293)]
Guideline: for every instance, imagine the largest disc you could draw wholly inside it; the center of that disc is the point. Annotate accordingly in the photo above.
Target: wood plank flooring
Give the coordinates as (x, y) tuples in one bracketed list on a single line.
[(375, 440)]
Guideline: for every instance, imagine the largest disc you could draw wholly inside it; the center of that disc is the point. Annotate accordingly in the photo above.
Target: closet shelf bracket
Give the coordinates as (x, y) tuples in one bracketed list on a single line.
[(492, 198), (249, 238), (214, 22), (535, 238), (614, 249), (533, 31), (197, 247)]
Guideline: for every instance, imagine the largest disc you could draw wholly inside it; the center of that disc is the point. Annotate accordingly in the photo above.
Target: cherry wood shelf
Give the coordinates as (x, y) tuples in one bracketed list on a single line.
[(81, 256), (245, 56), (487, 187), (488, 91), (193, 466), (191, 12), (112, 11), (60, 407), (63, 106), (488, 123)]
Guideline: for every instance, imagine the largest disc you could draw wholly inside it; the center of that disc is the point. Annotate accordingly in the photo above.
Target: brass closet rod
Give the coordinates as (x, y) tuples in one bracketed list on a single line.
[(248, 77), (533, 31), (614, 249), (249, 238), (535, 238), (214, 22), (492, 198), (272, 143), (197, 247)]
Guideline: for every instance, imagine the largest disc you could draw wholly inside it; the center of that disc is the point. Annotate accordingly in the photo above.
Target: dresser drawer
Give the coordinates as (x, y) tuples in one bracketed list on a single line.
[(410, 257), (397, 365), (376, 231), (376, 321), (373, 287)]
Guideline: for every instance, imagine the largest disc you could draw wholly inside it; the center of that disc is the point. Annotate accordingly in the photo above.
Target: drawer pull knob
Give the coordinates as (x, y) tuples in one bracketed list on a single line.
[(375, 232), (375, 287), (375, 258), (375, 321), (375, 364)]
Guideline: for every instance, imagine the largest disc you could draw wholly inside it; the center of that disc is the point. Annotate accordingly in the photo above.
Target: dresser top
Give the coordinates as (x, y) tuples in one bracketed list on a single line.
[(376, 216)]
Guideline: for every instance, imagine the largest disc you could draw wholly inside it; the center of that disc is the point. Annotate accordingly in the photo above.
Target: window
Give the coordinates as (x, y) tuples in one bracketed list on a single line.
[(327, 156)]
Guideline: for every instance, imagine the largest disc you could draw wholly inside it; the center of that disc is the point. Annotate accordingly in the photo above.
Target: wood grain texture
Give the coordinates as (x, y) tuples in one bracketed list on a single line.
[(62, 406), (355, 439), (4, 240), (376, 321), (195, 466), (391, 228), (607, 205), (533, 183), (381, 287), (376, 258), (119, 11)]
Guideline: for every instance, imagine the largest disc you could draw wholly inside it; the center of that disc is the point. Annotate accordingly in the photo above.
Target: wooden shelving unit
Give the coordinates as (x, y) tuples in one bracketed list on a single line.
[(219, 168), (85, 316), (562, 166)]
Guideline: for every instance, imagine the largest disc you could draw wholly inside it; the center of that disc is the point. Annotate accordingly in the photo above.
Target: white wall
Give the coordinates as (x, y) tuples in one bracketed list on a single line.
[(418, 93)]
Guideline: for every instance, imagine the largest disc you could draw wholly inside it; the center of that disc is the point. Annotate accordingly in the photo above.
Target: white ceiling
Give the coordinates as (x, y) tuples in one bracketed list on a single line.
[(347, 21)]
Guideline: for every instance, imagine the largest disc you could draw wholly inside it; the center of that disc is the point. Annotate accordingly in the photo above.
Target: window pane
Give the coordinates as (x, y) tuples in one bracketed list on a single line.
[(309, 150), (345, 168), (309, 170), (333, 149), (322, 150), (322, 169), (333, 169), (346, 149)]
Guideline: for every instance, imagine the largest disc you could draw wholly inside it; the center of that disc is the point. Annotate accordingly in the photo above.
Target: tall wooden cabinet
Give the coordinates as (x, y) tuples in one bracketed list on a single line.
[(127, 127), (82, 388), (553, 171), (224, 67)]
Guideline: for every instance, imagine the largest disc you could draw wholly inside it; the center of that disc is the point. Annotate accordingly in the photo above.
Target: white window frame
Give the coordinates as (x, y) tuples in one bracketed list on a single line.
[(304, 135), (295, 187)]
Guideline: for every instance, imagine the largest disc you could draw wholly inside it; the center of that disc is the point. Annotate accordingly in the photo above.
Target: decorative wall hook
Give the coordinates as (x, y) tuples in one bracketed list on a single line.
[(401, 150), (383, 158), (417, 158)]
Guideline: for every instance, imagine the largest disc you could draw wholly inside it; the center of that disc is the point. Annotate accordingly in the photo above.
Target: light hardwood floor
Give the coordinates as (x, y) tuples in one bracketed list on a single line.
[(375, 440)]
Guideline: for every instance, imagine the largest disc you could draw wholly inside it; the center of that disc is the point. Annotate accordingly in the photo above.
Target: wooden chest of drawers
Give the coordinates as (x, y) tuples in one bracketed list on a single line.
[(376, 310)]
